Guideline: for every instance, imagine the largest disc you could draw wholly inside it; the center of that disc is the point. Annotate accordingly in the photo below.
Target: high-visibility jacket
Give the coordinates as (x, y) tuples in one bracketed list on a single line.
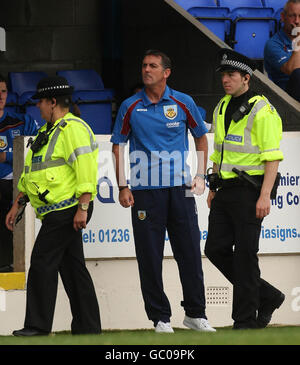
[(250, 142), (65, 168)]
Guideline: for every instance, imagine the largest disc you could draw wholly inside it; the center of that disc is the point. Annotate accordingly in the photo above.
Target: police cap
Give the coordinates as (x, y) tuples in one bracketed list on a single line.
[(52, 86), (229, 60)]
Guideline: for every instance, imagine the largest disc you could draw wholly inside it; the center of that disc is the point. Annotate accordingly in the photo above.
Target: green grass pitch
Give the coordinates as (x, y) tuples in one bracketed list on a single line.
[(287, 335)]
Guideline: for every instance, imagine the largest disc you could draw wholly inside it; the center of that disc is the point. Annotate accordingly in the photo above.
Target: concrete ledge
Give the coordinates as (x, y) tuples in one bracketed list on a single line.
[(2, 39), (12, 281)]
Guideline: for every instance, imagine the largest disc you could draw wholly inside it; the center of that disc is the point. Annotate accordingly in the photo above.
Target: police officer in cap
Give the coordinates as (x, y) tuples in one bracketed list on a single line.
[(246, 156), (59, 179)]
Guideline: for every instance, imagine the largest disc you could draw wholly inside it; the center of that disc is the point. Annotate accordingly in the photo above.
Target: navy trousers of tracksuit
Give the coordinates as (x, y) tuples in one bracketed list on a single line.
[(154, 211)]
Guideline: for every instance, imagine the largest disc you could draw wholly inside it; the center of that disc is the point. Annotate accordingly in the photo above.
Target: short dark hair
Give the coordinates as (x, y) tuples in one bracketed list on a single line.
[(165, 60), (3, 79), (65, 101), (244, 73), (290, 2)]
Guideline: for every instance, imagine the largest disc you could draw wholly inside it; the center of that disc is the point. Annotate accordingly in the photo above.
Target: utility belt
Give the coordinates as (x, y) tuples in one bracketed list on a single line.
[(243, 179), (46, 208), (229, 183), (22, 203)]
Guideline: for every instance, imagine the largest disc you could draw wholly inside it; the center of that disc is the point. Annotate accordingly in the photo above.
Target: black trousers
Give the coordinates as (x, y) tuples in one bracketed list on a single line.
[(232, 245), (154, 211), (58, 249), (6, 236)]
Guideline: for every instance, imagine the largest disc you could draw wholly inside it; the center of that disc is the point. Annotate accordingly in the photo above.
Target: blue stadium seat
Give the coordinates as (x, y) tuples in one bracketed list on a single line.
[(215, 19), (246, 8), (252, 24), (94, 101), (233, 4), (250, 37), (275, 4), (277, 16), (245, 25), (83, 79), (187, 4), (11, 102), (24, 84), (96, 109), (206, 11)]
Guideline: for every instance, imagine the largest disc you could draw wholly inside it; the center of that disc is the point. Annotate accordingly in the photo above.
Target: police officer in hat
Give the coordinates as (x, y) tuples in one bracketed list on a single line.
[(59, 179), (245, 160)]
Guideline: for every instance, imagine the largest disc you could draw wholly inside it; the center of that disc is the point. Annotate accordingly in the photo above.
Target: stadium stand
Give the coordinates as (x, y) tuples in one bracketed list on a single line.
[(251, 26), (277, 15), (245, 25), (83, 79), (277, 6), (243, 5), (187, 4), (214, 18), (94, 101), (23, 84), (274, 4)]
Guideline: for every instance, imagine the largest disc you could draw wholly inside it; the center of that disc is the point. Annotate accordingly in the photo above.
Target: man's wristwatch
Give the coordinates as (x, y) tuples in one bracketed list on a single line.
[(83, 206), (201, 175)]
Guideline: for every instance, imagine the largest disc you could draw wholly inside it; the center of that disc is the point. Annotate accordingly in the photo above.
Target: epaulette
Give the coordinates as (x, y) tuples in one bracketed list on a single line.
[(63, 125), (270, 106)]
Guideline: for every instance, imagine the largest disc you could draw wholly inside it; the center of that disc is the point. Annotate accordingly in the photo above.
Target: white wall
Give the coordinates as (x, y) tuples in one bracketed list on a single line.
[(117, 283), (121, 305)]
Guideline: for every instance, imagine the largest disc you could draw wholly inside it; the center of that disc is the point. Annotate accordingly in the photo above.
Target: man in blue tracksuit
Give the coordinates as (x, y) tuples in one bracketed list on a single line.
[(156, 122), (282, 51), (11, 125)]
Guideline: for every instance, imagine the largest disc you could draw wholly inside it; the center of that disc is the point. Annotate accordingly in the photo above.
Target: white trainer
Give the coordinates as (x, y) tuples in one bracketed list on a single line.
[(198, 324), (163, 327)]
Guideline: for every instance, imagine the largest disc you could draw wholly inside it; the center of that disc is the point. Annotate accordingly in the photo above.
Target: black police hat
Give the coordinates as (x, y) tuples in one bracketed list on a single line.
[(229, 60), (52, 86)]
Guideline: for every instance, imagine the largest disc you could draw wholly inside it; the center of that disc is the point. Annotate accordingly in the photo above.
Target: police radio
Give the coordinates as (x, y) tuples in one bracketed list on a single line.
[(243, 110), (40, 141), (214, 180)]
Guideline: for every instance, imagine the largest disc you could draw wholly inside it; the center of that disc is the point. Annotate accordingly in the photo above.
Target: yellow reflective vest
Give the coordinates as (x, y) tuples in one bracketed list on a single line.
[(65, 168), (250, 142)]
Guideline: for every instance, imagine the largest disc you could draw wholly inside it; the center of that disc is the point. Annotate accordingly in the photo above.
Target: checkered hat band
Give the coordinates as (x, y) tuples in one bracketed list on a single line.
[(62, 204), (238, 65), (53, 88)]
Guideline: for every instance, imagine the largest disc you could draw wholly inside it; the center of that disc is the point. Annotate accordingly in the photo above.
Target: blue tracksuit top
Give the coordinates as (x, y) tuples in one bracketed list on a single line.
[(278, 50), (158, 138), (12, 125)]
